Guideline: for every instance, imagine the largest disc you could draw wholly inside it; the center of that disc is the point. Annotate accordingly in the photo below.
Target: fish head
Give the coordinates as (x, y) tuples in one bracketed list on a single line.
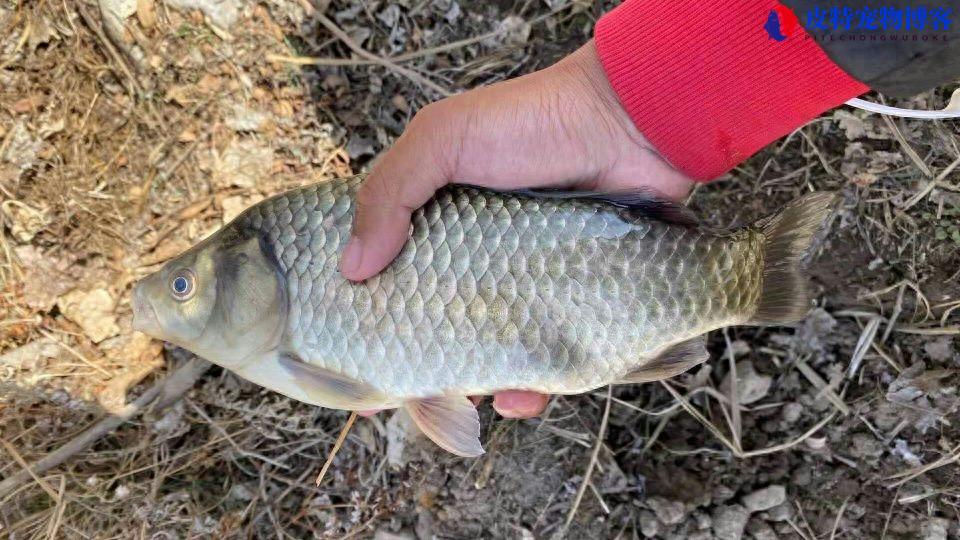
[(223, 299)]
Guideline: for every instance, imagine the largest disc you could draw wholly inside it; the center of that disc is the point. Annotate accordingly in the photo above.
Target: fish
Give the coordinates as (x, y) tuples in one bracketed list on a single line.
[(541, 290)]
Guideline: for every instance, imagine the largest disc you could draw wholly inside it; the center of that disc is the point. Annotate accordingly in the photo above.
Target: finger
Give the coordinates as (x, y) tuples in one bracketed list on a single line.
[(369, 412), (519, 403), (403, 180)]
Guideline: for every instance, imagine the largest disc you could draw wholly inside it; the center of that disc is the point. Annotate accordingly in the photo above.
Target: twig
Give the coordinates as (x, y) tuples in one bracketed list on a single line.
[(336, 446), (736, 423), (162, 394), (133, 85), (352, 45), (821, 385), (953, 457), (942, 331), (863, 344), (790, 444), (911, 153), (241, 451), (75, 353), (728, 443), (19, 459), (836, 522), (593, 462), (413, 55), (930, 185)]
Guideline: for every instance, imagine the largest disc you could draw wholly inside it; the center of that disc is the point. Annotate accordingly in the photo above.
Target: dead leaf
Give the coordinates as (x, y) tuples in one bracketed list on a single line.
[(147, 13), (179, 94), (209, 83), (243, 118), (193, 210), (245, 163), (25, 220), (233, 206), (167, 250), (44, 278), (92, 311), (29, 103), (51, 128)]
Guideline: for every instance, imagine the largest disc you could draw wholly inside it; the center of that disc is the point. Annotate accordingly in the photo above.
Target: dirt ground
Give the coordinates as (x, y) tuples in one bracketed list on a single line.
[(130, 132)]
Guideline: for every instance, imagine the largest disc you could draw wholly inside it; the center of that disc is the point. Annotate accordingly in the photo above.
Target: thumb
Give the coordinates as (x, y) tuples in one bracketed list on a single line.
[(419, 163)]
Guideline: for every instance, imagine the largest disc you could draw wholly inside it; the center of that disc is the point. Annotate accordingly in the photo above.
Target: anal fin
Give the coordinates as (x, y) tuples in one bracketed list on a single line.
[(450, 421), (673, 361), (331, 389)]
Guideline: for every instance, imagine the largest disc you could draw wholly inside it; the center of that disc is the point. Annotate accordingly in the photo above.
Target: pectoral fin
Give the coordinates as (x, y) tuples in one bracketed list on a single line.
[(451, 422), (331, 389), (673, 361)]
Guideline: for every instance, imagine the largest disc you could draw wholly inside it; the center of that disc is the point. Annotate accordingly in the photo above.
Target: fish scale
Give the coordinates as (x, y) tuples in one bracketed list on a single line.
[(498, 291)]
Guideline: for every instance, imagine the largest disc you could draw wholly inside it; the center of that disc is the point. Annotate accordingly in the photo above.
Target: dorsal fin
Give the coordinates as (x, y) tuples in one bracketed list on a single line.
[(638, 203)]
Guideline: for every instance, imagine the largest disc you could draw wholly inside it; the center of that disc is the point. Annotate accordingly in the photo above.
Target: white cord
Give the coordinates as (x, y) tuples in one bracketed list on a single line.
[(952, 110)]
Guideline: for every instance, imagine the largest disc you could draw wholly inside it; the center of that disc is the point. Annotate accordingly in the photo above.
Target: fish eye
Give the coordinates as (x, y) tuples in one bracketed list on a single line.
[(183, 284)]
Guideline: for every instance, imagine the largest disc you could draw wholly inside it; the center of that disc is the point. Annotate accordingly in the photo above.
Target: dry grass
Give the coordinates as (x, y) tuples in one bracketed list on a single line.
[(113, 160)]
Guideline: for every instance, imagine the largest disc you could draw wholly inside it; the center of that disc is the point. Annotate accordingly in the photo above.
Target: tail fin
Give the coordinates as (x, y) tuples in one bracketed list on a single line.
[(784, 297)]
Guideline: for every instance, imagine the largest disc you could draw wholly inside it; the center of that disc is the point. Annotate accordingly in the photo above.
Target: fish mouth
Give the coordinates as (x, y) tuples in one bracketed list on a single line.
[(144, 316)]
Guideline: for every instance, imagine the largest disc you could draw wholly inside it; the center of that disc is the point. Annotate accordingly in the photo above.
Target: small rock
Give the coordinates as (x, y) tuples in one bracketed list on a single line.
[(121, 492), (114, 13), (865, 446), (761, 530), (93, 311), (782, 512), (739, 348), (222, 13), (934, 529), (649, 526), (815, 328), (358, 147), (667, 511), (703, 520), (751, 386), (400, 430), (384, 534), (791, 412), (764, 499), (941, 349), (722, 493), (729, 522)]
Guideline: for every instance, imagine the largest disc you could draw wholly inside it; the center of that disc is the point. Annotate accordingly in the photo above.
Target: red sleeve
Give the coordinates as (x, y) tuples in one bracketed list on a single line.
[(707, 83)]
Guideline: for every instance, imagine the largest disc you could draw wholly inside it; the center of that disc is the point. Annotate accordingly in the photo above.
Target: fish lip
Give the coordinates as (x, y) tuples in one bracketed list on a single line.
[(144, 315)]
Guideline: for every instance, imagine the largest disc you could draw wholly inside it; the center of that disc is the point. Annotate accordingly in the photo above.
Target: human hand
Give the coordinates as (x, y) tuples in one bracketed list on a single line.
[(562, 126)]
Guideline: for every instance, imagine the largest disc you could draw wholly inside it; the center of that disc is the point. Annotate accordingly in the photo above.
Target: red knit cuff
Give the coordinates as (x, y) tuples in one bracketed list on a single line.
[(706, 83)]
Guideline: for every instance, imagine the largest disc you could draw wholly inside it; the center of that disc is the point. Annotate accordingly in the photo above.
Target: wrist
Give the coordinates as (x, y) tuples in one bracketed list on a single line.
[(623, 157), (707, 85)]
